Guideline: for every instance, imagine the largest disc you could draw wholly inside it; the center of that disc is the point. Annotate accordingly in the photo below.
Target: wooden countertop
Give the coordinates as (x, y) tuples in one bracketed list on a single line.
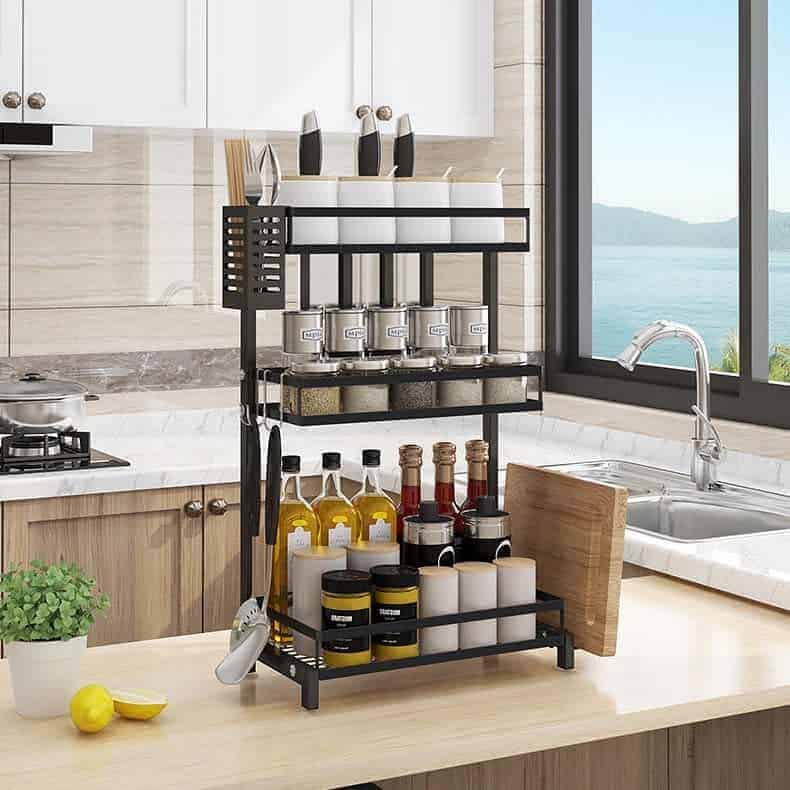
[(684, 654)]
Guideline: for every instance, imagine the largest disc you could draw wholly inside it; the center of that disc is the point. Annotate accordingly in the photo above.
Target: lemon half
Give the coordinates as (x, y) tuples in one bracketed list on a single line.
[(140, 704)]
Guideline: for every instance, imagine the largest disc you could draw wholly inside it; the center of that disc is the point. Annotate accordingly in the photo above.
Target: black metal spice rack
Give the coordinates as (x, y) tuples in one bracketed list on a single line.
[(256, 240)]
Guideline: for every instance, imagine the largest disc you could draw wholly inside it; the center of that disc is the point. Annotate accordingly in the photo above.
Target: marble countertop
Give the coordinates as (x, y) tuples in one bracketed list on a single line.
[(188, 447), (683, 655)]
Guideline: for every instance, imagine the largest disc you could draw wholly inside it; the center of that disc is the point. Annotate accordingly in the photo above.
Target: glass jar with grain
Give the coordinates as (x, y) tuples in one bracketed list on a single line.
[(509, 389), (366, 397), (413, 394), (462, 392), (311, 401)]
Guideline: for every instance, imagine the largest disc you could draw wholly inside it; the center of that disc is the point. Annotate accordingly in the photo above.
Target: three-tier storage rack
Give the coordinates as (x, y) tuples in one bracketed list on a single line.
[(256, 240)]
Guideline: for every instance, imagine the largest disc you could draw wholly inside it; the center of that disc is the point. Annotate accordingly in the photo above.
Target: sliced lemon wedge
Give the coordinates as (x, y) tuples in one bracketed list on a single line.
[(140, 704)]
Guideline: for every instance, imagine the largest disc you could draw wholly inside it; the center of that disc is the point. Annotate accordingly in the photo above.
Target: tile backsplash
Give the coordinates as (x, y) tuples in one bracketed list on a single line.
[(109, 261)]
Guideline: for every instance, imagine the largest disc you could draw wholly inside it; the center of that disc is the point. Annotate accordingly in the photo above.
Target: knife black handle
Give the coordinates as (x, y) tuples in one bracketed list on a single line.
[(310, 153), (369, 154), (403, 156)]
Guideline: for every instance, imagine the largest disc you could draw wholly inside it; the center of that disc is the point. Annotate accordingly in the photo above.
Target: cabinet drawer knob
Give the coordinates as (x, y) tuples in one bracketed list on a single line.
[(12, 100), (36, 101), (384, 113), (363, 110), (218, 507), (193, 509)]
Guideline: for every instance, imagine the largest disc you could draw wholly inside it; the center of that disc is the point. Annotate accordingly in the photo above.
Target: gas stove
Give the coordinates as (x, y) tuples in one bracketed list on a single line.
[(28, 450)]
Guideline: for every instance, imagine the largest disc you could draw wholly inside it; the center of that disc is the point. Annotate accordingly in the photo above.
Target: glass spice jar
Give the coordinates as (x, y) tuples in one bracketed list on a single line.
[(509, 389), (366, 397), (311, 401), (461, 392), (413, 394)]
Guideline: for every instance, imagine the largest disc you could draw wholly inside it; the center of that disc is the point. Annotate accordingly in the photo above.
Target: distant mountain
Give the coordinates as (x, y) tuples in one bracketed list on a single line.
[(633, 227)]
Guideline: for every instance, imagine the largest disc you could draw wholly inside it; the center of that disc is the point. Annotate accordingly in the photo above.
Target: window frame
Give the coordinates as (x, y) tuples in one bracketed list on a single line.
[(747, 397)]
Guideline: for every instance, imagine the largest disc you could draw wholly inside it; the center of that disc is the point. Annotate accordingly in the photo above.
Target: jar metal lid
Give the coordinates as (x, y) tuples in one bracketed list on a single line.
[(418, 308), (345, 311), (506, 358), (379, 308), (312, 311), (345, 582), (395, 576), (377, 365), (418, 533), (317, 368), (463, 361), (416, 363)]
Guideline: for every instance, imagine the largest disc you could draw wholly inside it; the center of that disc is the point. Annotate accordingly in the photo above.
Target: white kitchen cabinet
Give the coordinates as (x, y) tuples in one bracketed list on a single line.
[(270, 61), (121, 64), (10, 61), (434, 59)]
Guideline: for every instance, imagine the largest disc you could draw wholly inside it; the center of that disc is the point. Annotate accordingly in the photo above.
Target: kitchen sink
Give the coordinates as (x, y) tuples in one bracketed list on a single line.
[(668, 505)]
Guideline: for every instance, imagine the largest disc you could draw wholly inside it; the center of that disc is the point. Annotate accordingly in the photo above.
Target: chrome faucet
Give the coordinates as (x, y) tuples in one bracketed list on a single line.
[(706, 446)]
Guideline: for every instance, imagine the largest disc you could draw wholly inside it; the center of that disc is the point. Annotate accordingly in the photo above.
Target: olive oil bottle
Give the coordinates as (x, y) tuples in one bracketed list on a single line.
[(297, 528), (338, 519), (376, 510)]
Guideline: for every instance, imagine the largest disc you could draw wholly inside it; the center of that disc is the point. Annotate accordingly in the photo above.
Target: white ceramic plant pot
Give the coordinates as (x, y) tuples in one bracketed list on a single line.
[(45, 675), (422, 193), (311, 192), (366, 192)]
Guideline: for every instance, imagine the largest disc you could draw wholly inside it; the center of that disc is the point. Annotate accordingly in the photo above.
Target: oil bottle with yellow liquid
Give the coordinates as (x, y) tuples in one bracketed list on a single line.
[(338, 519), (297, 528), (376, 510)]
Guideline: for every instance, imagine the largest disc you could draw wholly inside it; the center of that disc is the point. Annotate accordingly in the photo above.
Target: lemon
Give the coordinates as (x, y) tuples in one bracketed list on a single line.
[(140, 704), (91, 708)]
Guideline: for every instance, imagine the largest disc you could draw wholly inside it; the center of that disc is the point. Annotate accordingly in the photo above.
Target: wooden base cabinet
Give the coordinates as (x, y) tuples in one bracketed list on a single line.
[(142, 546), (748, 752)]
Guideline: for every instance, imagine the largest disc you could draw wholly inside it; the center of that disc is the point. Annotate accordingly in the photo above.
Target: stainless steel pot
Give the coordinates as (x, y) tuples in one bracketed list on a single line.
[(34, 401)]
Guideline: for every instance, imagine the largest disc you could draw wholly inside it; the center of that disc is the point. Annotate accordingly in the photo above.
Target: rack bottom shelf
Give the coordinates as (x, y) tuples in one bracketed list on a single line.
[(304, 670)]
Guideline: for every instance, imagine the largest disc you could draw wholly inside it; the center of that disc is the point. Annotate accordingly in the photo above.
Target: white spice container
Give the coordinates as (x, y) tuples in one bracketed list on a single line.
[(515, 586), (480, 193), (422, 193), (365, 554), (311, 191), (438, 596), (308, 566), (477, 589), (366, 192)]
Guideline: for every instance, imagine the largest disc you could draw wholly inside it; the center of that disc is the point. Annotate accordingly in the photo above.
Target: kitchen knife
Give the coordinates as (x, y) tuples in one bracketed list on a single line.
[(369, 147), (403, 149), (310, 146)]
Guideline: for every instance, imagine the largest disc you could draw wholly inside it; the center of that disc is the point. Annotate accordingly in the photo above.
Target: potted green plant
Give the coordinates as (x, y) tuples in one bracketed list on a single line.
[(45, 614)]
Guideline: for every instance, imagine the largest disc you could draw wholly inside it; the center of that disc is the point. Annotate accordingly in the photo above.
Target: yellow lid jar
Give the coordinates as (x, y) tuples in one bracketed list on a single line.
[(345, 603)]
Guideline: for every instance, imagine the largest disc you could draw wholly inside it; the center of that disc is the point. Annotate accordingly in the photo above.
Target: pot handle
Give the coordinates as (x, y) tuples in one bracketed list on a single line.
[(91, 398)]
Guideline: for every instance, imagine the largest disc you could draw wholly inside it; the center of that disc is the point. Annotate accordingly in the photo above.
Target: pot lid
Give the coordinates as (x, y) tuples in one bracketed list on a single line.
[(35, 386)]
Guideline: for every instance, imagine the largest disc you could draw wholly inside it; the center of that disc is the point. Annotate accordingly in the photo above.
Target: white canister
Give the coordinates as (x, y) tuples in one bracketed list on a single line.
[(45, 675), (365, 554), (515, 586), (422, 193), (438, 596), (308, 566), (366, 192), (477, 589), (312, 192), (469, 193)]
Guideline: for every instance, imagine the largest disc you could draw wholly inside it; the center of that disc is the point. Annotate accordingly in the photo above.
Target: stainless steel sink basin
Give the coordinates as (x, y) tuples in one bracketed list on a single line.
[(668, 505)]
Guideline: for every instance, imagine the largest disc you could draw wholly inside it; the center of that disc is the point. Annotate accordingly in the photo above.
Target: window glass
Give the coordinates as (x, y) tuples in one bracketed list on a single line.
[(665, 175)]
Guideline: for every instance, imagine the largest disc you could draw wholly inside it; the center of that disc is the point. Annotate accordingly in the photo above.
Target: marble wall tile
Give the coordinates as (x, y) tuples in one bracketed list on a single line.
[(4, 239), (509, 28), (533, 31), (133, 156), (5, 171), (103, 330), (96, 245), (533, 124)]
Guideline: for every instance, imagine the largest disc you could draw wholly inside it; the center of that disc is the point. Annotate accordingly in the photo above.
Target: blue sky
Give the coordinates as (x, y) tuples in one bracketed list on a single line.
[(665, 106)]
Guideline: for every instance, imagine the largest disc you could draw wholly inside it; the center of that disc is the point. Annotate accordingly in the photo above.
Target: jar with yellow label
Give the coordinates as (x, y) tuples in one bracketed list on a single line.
[(345, 603), (395, 598)]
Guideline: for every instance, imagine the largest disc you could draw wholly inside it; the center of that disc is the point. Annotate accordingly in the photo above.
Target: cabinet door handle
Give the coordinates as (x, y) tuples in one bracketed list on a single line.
[(384, 113), (36, 101), (193, 509), (218, 507), (12, 100), (363, 110)]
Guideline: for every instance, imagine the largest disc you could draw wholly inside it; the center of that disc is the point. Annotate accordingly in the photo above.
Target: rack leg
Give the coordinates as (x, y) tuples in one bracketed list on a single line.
[(386, 279), (304, 281), (491, 421), (565, 652), (345, 280), (426, 279), (310, 690)]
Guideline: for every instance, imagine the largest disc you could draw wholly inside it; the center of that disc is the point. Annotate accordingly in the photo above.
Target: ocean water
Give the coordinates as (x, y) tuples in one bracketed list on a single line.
[(696, 286)]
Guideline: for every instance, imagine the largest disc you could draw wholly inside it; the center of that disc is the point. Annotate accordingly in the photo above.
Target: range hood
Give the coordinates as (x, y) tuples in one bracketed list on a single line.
[(43, 139)]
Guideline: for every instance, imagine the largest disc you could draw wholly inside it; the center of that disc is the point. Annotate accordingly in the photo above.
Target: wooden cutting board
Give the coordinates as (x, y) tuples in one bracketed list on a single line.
[(574, 530)]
